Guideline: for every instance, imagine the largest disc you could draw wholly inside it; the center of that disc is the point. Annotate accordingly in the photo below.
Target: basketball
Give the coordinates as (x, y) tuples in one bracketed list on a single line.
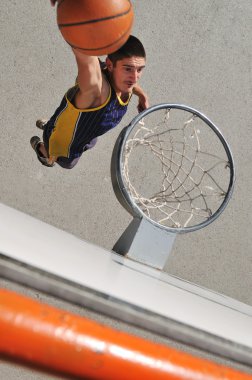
[(96, 27)]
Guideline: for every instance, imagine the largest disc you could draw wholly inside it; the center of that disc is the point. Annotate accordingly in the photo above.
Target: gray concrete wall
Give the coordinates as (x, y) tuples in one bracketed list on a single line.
[(199, 54)]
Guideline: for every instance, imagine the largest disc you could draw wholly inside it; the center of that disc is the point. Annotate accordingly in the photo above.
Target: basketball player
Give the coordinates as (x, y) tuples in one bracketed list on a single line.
[(94, 106)]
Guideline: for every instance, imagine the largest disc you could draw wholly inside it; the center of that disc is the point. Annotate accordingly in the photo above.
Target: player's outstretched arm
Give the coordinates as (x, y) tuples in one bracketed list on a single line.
[(143, 101), (89, 79)]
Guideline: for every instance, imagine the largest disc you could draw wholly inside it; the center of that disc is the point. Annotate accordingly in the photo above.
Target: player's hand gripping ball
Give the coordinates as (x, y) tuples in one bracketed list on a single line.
[(96, 27)]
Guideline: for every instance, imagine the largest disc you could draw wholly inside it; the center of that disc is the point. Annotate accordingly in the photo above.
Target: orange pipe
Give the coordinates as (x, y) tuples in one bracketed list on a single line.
[(64, 342)]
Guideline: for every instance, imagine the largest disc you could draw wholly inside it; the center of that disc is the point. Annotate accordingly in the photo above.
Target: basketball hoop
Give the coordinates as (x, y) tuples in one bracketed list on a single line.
[(173, 169)]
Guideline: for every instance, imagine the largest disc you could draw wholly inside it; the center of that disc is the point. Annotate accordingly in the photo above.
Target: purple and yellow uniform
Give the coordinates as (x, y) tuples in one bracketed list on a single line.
[(70, 130)]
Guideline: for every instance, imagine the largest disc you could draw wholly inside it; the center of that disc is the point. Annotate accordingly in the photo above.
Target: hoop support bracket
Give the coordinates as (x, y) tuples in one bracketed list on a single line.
[(146, 243)]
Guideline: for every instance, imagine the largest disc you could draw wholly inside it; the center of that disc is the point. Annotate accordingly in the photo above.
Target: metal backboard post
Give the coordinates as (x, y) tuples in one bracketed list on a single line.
[(144, 242)]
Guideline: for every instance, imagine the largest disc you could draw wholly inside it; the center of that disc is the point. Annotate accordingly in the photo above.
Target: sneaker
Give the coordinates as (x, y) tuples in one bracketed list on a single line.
[(41, 123), (35, 142)]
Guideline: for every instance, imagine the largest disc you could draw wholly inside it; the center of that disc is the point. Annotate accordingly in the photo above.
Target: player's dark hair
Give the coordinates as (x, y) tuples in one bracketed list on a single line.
[(132, 48)]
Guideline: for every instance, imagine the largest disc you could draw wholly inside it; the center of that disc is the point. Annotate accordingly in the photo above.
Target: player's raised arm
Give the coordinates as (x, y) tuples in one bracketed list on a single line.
[(89, 80)]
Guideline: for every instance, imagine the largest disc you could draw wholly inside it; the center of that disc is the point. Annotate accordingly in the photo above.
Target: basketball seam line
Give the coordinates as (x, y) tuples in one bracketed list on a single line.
[(100, 47), (96, 20)]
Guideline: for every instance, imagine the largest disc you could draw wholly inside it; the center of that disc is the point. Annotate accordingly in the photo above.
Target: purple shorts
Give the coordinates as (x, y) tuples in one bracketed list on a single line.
[(65, 162), (69, 163)]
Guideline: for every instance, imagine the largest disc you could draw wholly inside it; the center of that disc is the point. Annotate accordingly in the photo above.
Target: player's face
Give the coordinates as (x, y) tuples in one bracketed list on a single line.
[(126, 73)]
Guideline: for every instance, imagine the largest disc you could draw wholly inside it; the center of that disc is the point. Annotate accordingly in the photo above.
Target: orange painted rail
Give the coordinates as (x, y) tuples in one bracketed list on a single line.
[(57, 340)]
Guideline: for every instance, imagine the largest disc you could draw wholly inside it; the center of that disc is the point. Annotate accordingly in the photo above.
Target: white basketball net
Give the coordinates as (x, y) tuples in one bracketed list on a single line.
[(176, 170)]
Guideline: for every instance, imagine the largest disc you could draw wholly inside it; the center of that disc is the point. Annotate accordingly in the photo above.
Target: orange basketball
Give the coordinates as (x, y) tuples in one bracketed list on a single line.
[(96, 27)]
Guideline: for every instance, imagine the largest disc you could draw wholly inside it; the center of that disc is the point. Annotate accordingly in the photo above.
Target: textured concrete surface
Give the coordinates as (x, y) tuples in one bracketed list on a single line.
[(199, 54)]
